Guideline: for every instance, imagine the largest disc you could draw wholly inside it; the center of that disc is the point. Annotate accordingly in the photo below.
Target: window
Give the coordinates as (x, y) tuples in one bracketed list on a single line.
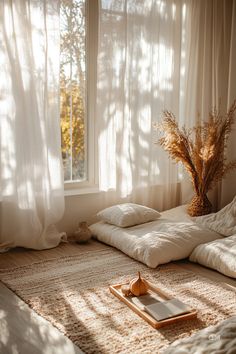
[(77, 88)]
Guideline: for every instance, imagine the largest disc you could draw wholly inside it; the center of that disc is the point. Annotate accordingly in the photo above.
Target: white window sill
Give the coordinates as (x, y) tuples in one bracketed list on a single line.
[(81, 191)]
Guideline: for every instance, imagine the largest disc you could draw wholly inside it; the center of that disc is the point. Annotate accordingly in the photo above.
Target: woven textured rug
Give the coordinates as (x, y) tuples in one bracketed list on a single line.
[(72, 293)]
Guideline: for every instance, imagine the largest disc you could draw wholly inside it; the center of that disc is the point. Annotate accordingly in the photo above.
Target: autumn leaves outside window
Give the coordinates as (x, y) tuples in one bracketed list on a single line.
[(73, 89)]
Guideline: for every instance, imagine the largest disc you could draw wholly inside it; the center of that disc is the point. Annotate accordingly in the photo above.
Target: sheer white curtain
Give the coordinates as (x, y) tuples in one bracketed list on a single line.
[(211, 72), (31, 181), (156, 55), (228, 187)]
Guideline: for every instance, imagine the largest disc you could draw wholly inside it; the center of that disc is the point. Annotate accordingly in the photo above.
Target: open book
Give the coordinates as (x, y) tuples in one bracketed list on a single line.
[(159, 309)]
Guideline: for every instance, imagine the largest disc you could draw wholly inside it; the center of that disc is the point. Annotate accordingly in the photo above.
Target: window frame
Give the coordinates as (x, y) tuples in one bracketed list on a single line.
[(90, 185)]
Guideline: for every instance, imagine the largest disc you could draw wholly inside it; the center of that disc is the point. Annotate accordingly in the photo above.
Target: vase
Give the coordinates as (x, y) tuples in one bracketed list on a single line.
[(200, 205)]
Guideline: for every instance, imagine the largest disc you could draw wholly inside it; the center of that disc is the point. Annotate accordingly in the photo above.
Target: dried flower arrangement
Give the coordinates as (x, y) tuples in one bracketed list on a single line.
[(201, 150)]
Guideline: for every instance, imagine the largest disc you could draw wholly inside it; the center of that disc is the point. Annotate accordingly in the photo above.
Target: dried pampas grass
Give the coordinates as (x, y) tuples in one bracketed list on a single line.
[(201, 150)]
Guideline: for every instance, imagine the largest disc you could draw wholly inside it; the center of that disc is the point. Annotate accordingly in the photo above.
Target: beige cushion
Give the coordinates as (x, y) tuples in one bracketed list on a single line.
[(223, 222), (128, 214), (219, 255)]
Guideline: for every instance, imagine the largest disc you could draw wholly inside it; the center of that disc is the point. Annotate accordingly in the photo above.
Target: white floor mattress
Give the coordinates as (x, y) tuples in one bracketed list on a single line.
[(172, 237)]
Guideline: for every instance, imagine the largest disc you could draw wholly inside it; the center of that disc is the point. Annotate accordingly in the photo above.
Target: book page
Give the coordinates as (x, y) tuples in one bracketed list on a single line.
[(167, 309), (144, 300)]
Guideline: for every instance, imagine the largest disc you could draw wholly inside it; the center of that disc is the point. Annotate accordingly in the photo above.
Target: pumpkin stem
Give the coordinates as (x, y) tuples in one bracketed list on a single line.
[(139, 275)]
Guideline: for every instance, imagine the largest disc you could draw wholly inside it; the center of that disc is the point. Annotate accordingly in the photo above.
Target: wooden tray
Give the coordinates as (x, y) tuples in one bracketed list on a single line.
[(116, 290)]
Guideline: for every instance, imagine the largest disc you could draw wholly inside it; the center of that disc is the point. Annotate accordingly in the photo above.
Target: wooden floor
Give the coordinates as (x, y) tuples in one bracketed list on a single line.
[(23, 331)]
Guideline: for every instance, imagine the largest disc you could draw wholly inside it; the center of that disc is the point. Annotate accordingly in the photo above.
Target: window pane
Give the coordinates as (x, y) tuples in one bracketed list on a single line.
[(73, 89)]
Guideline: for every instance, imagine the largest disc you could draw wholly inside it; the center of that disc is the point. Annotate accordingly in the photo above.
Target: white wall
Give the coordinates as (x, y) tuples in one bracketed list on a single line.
[(84, 207)]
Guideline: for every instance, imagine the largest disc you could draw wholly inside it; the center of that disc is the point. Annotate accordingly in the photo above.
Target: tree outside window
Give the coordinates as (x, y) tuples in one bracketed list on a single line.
[(73, 89)]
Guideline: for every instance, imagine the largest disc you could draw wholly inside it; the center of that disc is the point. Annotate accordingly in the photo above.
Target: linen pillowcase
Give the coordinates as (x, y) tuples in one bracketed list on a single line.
[(223, 222), (128, 214)]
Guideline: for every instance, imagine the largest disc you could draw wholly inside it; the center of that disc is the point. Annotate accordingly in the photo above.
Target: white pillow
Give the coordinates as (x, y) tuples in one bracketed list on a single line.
[(128, 214), (223, 222), (219, 255)]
